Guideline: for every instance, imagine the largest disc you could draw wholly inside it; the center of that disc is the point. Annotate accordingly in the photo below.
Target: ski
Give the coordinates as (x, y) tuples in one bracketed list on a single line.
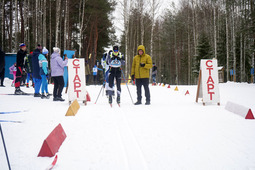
[(10, 112), (53, 163), (11, 121), (110, 104), (25, 94)]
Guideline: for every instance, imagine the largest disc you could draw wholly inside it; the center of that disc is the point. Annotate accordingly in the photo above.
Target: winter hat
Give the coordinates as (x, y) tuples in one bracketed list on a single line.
[(44, 51), (115, 48), (56, 49), (22, 45), (39, 46)]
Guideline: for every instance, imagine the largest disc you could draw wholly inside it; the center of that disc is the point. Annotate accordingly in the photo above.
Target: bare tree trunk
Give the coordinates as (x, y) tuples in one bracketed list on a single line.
[(66, 25), (58, 7), (227, 47), (50, 36), (82, 14), (36, 21), (189, 58), (22, 34), (28, 29), (126, 28), (141, 8), (241, 57), (194, 25), (44, 23), (10, 27), (233, 44), (3, 25), (16, 25), (215, 30)]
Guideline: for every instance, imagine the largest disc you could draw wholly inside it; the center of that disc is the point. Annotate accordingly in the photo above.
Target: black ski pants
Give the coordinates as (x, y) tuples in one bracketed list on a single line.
[(18, 77), (145, 83), (2, 76), (58, 86), (117, 76)]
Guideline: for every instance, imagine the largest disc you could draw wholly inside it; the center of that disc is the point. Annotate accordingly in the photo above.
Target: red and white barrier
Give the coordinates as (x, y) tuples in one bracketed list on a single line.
[(240, 110)]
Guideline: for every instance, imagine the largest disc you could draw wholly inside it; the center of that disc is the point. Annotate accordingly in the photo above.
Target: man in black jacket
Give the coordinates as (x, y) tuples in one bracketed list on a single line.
[(2, 67), (20, 64)]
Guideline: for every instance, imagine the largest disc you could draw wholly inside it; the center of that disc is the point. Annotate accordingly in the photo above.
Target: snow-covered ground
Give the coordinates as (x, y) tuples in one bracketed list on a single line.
[(174, 132)]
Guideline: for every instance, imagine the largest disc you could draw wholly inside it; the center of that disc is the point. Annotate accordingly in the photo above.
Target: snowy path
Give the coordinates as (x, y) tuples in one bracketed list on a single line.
[(172, 133), (133, 151)]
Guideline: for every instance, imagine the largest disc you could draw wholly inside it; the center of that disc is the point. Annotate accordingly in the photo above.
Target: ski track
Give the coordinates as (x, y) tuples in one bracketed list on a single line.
[(134, 155)]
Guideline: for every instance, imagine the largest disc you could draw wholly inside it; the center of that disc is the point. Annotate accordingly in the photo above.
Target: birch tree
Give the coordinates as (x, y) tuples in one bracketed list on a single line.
[(58, 7)]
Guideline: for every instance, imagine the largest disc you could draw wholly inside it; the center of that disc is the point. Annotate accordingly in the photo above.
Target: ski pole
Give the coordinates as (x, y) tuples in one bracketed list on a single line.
[(5, 147), (99, 93), (127, 85)]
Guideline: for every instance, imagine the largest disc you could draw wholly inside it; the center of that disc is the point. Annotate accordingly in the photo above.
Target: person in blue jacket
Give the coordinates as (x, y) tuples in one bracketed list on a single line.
[(43, 64), (95, 70), (36, 70)]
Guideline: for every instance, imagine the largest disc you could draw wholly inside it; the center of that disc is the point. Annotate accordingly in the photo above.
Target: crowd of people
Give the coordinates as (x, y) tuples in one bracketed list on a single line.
[(36, 66)]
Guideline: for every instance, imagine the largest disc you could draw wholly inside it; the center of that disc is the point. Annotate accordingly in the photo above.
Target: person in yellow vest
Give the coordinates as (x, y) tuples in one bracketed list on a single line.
[(141, 66)]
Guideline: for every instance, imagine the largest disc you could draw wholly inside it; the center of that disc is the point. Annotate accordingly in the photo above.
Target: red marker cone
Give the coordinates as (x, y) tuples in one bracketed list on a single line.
[(187, 92)]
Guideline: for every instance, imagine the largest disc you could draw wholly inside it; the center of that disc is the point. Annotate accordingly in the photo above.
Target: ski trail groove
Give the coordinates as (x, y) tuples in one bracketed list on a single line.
[(134, 154)]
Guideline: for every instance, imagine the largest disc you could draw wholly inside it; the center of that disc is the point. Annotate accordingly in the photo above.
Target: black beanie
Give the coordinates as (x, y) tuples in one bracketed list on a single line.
[(115, 48)]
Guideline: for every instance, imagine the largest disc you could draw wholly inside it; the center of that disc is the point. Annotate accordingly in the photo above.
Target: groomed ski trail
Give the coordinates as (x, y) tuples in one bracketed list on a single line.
[(135, 158)]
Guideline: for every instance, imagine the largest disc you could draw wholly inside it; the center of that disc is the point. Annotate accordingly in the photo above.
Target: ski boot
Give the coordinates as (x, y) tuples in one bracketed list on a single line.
[(27, 85), (48, 95), (118, 99), (18, 91), (110, 99), (37, 95), (43, 96)]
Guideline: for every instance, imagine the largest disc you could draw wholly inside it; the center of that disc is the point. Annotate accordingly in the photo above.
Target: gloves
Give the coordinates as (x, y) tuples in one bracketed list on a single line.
[(133, 77), (142, 64)]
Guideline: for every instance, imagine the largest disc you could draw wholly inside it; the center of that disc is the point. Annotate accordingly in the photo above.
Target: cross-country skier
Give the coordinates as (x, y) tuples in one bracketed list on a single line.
[(115, 60), (20, 64), (106, 71), (28, 67)]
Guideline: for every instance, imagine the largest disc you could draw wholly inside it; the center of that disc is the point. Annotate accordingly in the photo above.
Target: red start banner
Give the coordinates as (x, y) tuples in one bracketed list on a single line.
[(76, 80), (208, 87)]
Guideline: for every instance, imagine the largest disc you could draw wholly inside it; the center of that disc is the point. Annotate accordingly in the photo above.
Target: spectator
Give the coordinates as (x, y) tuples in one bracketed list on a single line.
[(57, 72)]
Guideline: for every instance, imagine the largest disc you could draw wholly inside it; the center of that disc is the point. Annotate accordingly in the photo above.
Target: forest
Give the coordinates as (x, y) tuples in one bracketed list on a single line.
[(176, 38)]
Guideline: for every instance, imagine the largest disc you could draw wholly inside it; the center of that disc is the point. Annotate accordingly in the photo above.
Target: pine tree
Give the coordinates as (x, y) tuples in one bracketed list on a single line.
[(204, 51)]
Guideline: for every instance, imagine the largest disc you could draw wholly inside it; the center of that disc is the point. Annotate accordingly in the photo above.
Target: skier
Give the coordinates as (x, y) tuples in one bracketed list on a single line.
[(154, 74), (43, 64), (28, 66), (20, 64), (106, 71), (141, 66), (2, 67), (115, 60), (13, 71), (36, 70)]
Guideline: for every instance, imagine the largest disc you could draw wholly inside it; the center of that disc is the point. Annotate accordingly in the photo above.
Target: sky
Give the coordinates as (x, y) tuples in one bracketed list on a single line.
[(118, 13)]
